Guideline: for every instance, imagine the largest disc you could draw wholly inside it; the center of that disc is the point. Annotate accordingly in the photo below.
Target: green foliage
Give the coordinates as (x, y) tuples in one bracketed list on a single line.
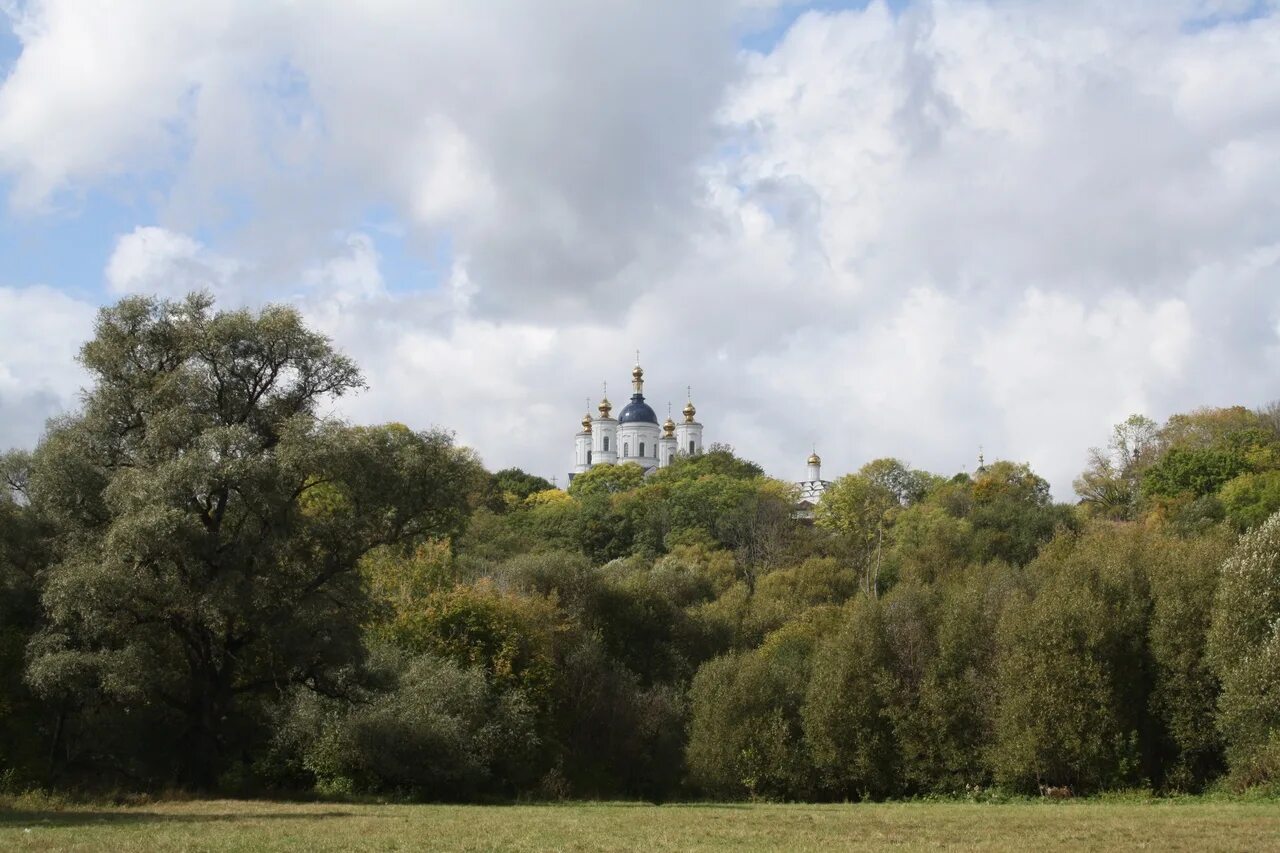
[(719, 460), (519, 484), (1196, 472), (1244, 650), (1248, 500), (847, 717), (1109, 486), (944, 719), (929, 543), (746, 736), (511, 638), (857, 507), (785, 595), (1074, 675), (1012, 514), (617, 737), (217, 521), (1183, 576), (205, 582), (606, 480), (907, 485), (399, 581), (441, 733)]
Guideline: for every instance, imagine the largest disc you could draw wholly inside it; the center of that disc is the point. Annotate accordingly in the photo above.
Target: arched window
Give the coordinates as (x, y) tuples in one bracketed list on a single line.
[(626, 449), (690, 445), (588, 457), (606, 444), (642, 448)]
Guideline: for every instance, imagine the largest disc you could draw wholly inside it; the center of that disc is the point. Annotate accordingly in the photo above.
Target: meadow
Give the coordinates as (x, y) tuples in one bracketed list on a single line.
[(1166, 825)]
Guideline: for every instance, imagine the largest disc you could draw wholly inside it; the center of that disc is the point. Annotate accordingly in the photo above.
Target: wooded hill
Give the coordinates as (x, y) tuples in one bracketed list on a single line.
[(205, 583)]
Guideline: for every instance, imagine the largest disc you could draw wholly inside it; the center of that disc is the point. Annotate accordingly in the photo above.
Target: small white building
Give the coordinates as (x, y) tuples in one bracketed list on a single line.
[(811, 488), (634, 436)]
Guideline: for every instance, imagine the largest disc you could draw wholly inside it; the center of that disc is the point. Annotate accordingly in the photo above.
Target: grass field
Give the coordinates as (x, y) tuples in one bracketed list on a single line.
[(1191, 825)]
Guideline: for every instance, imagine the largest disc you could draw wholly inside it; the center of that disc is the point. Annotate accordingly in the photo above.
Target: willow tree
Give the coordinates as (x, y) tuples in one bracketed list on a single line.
[(209, 520)]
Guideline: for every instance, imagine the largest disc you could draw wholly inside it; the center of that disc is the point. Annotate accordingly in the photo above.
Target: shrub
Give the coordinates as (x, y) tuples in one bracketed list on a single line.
[(442, 733)]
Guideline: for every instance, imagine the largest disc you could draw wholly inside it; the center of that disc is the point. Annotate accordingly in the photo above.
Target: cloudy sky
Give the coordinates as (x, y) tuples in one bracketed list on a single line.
[(902, 229)]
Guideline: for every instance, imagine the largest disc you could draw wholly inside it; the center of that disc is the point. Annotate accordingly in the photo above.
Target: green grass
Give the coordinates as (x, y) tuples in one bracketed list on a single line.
[(1192, 825)]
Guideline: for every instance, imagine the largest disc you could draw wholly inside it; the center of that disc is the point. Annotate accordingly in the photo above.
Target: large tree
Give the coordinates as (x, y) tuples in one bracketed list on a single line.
[(209, 519)]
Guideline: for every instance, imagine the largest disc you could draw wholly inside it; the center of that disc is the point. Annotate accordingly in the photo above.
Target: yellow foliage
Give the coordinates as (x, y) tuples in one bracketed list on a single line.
[(548, 497)]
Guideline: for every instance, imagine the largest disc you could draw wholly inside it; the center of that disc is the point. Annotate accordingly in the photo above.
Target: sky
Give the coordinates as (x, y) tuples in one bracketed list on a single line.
[(909, 229)]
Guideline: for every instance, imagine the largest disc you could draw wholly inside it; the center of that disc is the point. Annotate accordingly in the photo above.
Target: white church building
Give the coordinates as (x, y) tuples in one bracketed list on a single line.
[(634, 436)]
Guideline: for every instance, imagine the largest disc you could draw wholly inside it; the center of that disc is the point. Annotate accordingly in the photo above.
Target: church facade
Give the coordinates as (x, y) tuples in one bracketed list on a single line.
[(635, 435)]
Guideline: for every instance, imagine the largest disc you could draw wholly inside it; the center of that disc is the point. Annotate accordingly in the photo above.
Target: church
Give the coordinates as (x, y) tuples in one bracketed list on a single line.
[(634, 436)]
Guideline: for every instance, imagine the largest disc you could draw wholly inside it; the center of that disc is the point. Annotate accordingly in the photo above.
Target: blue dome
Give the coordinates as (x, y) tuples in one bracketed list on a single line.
[(637, 411)]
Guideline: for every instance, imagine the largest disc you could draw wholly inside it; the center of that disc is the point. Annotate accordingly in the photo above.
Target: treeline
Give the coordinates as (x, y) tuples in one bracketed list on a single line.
[(206, 583)]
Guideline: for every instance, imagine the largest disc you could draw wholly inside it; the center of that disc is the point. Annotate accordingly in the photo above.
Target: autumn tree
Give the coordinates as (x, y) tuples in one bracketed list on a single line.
[(209, 521)]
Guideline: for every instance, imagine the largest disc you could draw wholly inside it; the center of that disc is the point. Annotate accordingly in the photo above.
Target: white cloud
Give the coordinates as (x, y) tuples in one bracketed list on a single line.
[(41, 330), (158, 261), (906, 233)]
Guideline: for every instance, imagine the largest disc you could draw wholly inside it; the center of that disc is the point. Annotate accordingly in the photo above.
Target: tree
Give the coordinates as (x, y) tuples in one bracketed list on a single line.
[(1244, 650), (607, 480), (1074, 678), (1195, 472), (209, 522), (1110, 484), (745, 731), (1251, 499), (1207, 428), (907, 485), (930, 543), (1013, 514), (717, 459), (859, 510), (510, 637), (519, 484), (1183, 575), (945, 727), (847, 720)]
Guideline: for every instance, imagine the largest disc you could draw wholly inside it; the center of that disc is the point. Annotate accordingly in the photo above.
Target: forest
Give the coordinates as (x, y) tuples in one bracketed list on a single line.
[(207, 584)]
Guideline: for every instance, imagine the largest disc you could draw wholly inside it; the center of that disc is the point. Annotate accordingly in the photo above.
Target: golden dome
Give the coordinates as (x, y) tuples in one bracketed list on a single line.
[(689, 412), (814, 459), (586, 422), (669, 428), (605, 407), (637, 372)]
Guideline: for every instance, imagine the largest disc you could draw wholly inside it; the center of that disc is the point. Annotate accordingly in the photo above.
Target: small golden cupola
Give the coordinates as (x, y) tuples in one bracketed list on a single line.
[(669, 428), (605, 407), (586, 422), (814, 459), (689, 412)]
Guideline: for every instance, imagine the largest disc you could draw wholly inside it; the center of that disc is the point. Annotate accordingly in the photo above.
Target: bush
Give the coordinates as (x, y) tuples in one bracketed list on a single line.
[(442, 733)]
